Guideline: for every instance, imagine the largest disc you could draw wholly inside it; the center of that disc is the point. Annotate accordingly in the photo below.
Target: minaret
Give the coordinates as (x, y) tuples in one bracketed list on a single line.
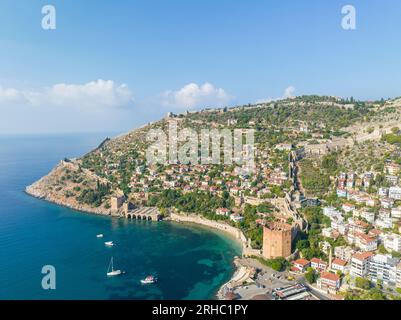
[(330, 257)]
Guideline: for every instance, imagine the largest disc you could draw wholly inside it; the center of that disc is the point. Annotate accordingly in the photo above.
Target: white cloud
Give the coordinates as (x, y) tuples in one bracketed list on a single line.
[(8, 95), (193, 96), (92, 95), (288, 94)]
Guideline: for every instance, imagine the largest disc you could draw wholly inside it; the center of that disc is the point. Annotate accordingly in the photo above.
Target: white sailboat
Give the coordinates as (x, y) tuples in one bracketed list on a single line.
[(111, 272), (99, 236)]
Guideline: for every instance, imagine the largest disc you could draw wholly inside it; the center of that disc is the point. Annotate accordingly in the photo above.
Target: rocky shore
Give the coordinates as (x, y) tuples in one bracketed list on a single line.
[(49, 188)]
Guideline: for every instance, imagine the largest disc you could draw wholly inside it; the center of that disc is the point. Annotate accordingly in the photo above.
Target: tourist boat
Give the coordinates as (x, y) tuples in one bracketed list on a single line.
[(109, 244), (111, 272), (149, 280), (99, 236)]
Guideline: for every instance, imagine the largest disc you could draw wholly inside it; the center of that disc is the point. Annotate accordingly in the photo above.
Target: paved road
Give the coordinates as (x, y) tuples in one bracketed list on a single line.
[(316, 293)]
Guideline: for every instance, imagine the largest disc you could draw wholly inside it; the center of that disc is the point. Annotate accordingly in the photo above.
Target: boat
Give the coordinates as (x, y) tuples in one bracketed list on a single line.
[(111, 272), (149, 280), (109, 244), (99, 236)]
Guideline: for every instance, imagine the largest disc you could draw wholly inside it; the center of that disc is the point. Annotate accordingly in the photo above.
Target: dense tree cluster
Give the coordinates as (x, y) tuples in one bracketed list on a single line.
[(94, 197)]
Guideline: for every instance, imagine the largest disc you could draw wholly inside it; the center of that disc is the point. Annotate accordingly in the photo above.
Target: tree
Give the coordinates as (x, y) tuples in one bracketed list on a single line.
[(382, 249), (362, 283), (329, 163), (277, 264), (375, 294), (311, 276), (302, 244)]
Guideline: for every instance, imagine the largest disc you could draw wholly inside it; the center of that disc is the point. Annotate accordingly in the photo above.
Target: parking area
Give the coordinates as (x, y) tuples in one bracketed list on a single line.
[(267, 282)]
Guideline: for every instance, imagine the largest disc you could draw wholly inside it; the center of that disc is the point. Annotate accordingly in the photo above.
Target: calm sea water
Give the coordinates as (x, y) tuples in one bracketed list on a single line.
[(191, 262)]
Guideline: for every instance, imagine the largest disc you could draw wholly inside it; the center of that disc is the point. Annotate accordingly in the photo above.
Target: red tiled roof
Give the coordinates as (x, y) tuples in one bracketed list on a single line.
[(362, 255), (319, 261), (302, 262), (365, 237), (349, 205), (340, 262), (329, 276), (375, 232)]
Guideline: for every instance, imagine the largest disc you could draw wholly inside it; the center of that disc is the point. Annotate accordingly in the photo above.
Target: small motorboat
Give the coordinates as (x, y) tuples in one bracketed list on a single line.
[(149, 280), (111, 272), (99, 236), (109, 244)]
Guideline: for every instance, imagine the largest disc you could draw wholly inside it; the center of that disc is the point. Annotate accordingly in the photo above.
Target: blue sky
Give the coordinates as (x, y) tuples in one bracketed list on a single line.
[(113, 65)]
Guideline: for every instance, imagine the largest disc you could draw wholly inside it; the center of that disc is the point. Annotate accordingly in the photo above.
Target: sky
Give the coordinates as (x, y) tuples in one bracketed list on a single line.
[(115, 65)]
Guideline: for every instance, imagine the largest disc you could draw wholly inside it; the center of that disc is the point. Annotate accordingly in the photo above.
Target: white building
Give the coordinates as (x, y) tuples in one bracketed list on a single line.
[(223, 212), (368, 216), (399, 275), (360, 264), (394, 193), (383, 192), (331, 212), (392, 242), (341, 227), (387, 202), (327, 232), (348, 207), (363, 241), (339, 265), (384, 213), (344, 253), (329, 281), (396, 213), (236, 217), (384, 223), (284, 147), (383, 268)]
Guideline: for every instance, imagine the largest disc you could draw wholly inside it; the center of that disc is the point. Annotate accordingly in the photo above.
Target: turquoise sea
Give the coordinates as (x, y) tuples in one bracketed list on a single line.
[(191, 262)]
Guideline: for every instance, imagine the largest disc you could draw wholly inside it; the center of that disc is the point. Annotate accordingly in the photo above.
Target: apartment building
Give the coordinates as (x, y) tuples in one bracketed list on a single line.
[(339, 265), (329, 281), (360, 264), (395, 193), (319, 264), (363, 241), (392, 242), (344, 253), (383, 268)]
